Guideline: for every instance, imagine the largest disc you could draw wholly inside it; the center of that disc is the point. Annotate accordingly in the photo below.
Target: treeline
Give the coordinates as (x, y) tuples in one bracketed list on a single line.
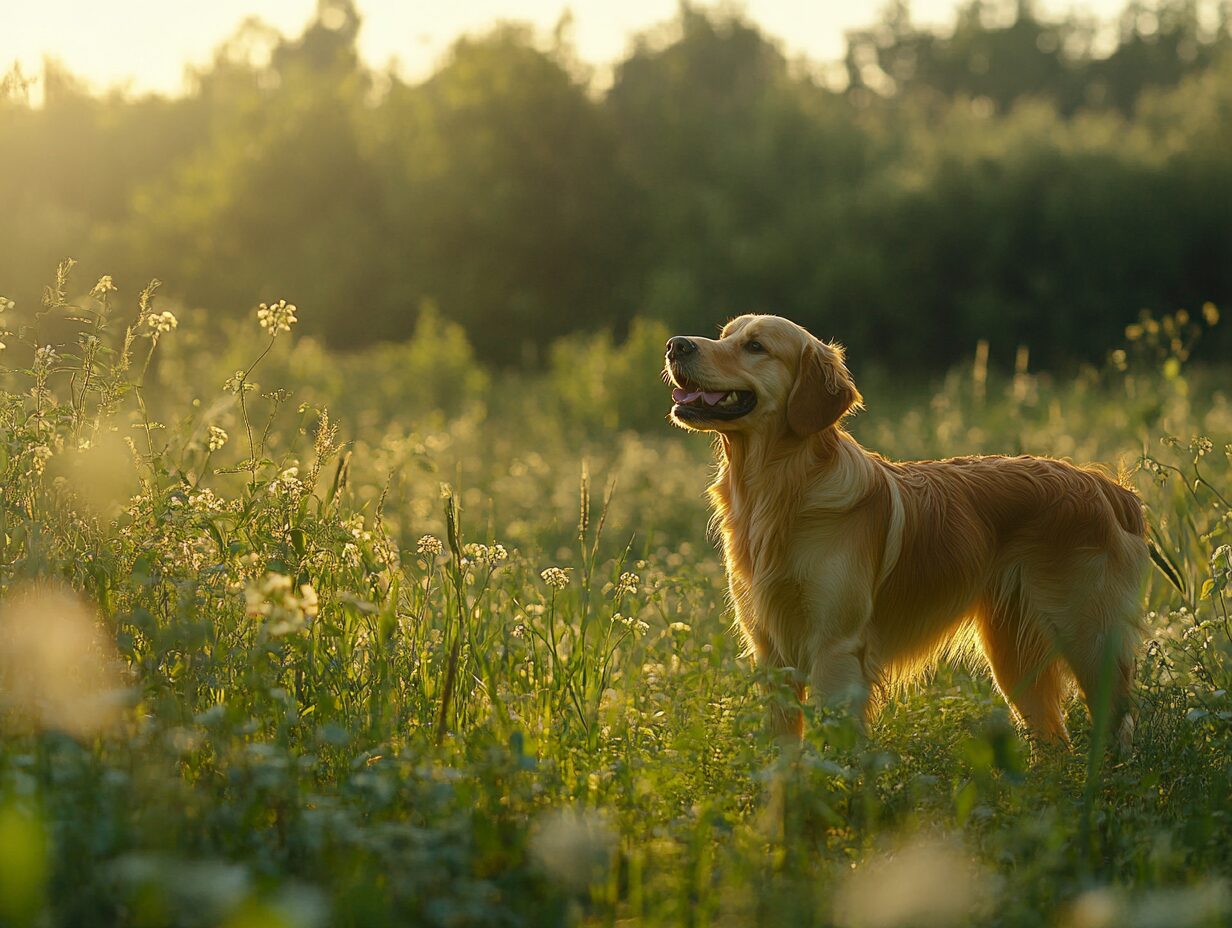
[(1005, 179)]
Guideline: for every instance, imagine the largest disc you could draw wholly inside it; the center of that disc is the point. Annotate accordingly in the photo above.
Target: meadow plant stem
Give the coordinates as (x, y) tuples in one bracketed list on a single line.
[(243, 389)]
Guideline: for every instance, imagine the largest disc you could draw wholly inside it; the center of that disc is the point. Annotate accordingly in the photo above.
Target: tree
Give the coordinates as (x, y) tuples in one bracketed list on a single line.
[(280, 200), (504, 192)]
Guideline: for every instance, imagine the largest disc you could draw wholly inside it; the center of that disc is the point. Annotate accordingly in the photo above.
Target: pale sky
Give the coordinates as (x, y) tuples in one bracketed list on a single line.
[(145, 45)]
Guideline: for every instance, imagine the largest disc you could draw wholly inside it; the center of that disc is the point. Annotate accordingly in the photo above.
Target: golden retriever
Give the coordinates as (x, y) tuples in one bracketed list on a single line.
[(855, 573)]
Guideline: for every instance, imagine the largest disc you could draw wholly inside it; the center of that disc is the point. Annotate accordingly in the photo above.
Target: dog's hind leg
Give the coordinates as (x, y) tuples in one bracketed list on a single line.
[(1099, 647), (1093, 612), (1025, 667)]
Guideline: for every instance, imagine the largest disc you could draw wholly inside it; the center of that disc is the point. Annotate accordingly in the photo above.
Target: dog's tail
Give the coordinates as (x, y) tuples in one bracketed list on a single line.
[(1127, 506), (1129, 513)]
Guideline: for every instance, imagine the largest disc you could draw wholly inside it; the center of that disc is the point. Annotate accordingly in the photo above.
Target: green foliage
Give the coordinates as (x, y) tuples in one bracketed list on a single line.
[(601, 386), (1006, 181), (501, 186), (1005, 52), (468, 662)]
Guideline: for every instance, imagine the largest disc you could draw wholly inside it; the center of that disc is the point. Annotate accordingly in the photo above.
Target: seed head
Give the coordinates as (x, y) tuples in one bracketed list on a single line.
[(103, 287)]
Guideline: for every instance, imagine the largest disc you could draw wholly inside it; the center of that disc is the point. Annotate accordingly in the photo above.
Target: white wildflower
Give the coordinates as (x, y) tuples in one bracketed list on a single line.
[(556, 577), (217, 438), (627, 584), (278, 318), (282, 608), (161, 323)]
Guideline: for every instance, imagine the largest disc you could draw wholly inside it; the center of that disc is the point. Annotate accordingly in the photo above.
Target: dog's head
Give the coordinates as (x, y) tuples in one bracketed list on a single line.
[(764, 374)]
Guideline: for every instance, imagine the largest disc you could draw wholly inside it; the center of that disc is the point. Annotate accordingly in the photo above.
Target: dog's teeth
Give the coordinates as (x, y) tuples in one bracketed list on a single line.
[(729, 399)]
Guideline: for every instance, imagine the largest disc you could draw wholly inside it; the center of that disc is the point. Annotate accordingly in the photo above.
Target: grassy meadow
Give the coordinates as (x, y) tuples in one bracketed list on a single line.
[(298, 638)]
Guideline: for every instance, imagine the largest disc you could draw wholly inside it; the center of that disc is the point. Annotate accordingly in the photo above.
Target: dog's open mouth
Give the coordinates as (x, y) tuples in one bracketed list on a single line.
[(694, 402)]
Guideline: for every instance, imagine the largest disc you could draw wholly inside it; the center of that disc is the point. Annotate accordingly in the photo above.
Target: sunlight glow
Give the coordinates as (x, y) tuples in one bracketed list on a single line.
[(146, 46)]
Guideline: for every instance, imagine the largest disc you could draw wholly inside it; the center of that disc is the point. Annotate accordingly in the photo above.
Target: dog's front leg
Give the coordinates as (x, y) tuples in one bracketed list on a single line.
[(837, 679), (784, 719), (838, 647)]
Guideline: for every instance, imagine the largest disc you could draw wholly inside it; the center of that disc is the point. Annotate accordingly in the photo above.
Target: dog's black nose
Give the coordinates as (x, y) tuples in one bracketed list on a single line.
[(678, 347)]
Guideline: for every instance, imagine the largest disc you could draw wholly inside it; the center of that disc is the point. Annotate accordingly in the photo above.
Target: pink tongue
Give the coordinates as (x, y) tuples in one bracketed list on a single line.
[(684, 396)]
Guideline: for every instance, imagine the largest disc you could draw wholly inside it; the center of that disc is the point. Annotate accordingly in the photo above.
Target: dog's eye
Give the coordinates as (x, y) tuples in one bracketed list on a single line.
[(754, 346)]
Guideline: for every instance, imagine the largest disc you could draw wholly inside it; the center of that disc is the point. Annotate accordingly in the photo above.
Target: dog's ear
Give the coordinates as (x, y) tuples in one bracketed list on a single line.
[(823, 391)]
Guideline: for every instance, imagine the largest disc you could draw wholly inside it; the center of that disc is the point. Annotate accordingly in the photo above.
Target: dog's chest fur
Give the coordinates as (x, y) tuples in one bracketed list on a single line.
[(787, 529), (757, 519)]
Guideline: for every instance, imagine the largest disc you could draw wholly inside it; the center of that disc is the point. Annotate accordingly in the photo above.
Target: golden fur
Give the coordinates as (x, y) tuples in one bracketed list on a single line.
[(858, 572)]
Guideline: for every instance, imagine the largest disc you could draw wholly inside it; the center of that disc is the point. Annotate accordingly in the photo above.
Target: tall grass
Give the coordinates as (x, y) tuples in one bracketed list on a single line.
[(295, 638)]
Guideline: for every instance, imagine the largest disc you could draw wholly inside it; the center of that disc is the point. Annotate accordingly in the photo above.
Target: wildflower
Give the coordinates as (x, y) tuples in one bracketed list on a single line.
[(926, 882), (6, 304), (41, 454), (1201, 446), (283, 608), (1209, 313), (217, 439), (287, 483), (429, 546), (489, 555), (206, 501), (278, 318), (573, 846), (237, 383), (627, 584), (519, 630), (556, 577), (103, 287), (44, 357), (355, 525), (350, 554), (308, 599), (161, 323), (632, 623), (59, 667)]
